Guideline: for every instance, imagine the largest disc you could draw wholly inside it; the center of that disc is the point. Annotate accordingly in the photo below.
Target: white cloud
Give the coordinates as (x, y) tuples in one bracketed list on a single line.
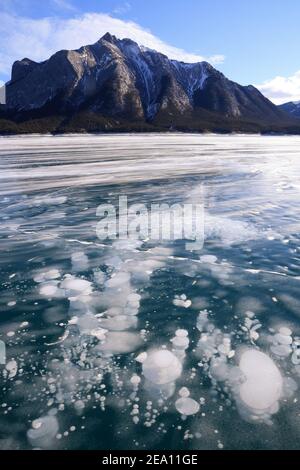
[(282, 89), (39, 38), (64, 4)]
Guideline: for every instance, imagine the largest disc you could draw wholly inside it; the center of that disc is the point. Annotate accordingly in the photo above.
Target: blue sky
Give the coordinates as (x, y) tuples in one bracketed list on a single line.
[(253, 41)]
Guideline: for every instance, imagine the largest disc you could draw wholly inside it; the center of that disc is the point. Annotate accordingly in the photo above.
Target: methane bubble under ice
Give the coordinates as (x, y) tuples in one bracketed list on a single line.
[(263, 385), (43, 431), (161, 367), (187, 406), (74, 286)]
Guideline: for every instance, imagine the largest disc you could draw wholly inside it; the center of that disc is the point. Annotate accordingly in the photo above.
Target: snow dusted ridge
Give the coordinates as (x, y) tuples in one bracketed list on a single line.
[(118, 78), (143, 61), (85, 72)]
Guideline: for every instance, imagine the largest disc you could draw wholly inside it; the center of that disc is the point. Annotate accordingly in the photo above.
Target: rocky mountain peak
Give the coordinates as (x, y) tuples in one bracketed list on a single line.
[(120, 79)]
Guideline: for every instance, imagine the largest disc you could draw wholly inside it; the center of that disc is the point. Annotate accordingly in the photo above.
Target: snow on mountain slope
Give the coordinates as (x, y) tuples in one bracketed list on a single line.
[(118, 78)]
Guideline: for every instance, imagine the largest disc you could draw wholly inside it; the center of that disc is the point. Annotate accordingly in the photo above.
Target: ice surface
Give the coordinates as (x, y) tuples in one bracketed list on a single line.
[(95, 307)]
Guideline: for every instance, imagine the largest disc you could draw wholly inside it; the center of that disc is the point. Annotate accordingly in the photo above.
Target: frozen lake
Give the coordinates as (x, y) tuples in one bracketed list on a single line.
[(128, 344)]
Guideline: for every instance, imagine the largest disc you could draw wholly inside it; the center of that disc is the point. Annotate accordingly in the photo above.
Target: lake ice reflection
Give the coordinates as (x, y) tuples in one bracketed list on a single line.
[(134, 344)]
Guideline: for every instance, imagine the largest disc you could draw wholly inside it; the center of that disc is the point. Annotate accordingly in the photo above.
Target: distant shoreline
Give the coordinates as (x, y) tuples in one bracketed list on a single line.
[(163, 132)]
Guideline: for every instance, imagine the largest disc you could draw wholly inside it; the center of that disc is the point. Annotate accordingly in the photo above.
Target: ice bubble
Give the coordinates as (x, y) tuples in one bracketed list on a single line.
[(263, 382), (135, 380), (120, 342), (52, 274), (180, 302), (187, 406), (131, 311), (181, 333), (99, 333), (209, 259), (160, 391), (161, 367), (219, 369), (76, 286), (118, 280), (119, 323), (254, 336), (141, 357), (285, 331), (36, 424), (43, 430), (113, 311), (283, 339), (79, 406), (47, 275), (235, 376), (184, 392), (86, 322), (202, 320), (80, 261), (224, 349), (134, 298), (281, 350), (12, 368), (48, 290), (180, 342), (206, 346), (250, 314), (296, 357)]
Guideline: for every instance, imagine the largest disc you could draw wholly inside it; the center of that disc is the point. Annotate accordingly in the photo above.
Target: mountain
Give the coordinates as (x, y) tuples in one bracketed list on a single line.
[(117, 85), (292, 108)]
